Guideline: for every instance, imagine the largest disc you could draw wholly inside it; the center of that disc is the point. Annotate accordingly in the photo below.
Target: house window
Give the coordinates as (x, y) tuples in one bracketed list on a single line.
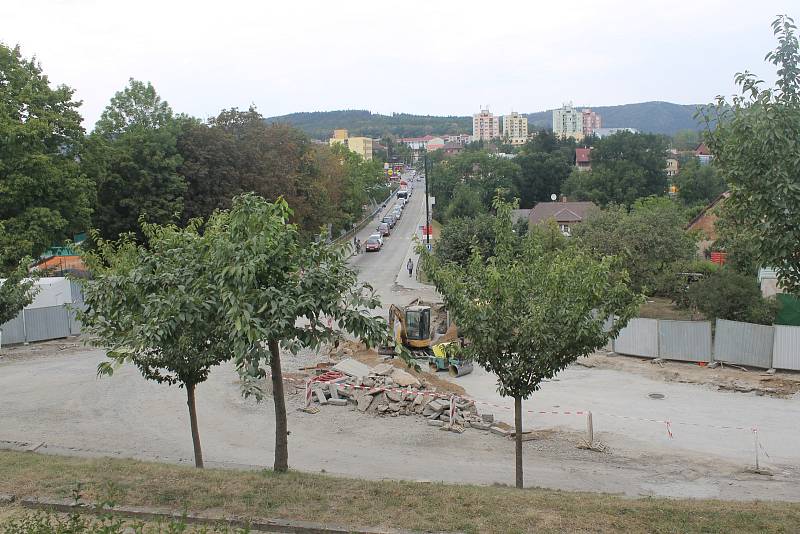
[(565, 229)]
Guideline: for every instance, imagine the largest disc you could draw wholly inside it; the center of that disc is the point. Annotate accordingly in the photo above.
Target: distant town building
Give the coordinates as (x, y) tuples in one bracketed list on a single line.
[(591, 122), (583, 159), (428, 142), (568, 122), (515, 128), (457, 139), (360, 145), (672, 167), (703, 154), (485, 126), (604, 132), (453, 148)]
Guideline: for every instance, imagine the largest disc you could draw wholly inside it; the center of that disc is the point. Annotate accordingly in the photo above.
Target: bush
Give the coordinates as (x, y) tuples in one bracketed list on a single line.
[(674, 282), (728, 294)]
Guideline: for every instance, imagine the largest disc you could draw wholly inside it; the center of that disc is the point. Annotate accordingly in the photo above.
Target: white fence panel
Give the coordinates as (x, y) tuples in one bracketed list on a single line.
[(786, 350), (744, 343), (46, 323), (13, 331), (638, 338), (684, 340)]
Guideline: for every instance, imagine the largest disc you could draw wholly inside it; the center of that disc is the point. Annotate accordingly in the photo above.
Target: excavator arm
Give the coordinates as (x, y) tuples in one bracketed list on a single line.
[(397, 315)]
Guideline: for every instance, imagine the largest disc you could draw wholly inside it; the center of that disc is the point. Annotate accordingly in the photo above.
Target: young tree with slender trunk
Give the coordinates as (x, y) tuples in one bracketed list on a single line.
[(530, 310), (158, 308), (278, 292)]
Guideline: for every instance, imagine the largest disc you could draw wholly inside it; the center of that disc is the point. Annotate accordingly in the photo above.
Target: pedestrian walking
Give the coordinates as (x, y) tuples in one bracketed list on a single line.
[(410, 267), (358, 246)]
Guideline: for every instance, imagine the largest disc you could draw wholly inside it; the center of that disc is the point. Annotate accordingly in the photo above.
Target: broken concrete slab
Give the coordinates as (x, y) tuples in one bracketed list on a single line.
[(487, 418), (352, 367), (364, 402), (382, 408), (394, 396), (394, 406), (334, 390), (435, 423), (337, 402), (479, 426), (500, 431), (382, 369), (438, 406), (320, 396), (404, 379)]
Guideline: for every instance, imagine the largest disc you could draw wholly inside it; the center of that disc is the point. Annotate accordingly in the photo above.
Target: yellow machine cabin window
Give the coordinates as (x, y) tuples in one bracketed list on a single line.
[(418, 324)]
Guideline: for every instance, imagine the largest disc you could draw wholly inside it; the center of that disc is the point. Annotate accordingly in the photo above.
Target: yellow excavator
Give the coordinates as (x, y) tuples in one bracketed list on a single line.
[(413, 329)]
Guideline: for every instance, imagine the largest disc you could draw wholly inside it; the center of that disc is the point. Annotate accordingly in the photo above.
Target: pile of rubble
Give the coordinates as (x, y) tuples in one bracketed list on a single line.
[(389, 391)]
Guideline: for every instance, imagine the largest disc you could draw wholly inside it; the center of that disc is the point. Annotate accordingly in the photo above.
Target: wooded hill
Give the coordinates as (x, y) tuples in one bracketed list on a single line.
[(652, 117)]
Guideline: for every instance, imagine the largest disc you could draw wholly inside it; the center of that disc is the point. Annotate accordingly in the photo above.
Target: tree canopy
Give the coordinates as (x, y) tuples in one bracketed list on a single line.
[(529, 311), (44, 197), (754, 141)]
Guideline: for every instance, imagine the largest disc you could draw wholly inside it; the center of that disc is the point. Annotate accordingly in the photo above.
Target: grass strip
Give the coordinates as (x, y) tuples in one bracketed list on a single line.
[(409, 505)]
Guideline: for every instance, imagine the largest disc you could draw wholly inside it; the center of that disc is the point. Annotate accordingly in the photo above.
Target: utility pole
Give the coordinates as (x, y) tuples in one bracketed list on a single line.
[(427, 203)]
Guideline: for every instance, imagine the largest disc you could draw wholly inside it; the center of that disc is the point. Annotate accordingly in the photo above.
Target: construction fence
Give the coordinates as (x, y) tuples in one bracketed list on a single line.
[(733, 342), (51, 316)]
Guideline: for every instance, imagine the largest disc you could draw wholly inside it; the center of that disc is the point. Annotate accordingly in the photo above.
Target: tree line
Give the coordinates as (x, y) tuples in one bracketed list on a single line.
[(143, 160)]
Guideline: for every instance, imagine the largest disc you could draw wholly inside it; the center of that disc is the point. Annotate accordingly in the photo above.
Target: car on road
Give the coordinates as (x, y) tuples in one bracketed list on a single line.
[(379, 237), (384, 229), (390, 219), (397, 213), (373, 244)]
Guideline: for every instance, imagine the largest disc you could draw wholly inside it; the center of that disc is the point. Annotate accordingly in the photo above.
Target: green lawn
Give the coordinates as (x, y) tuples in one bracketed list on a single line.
[(422, 506)]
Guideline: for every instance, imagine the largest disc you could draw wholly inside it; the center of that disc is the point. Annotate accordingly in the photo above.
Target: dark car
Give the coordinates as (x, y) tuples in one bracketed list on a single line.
[(373, 244), (383, 229), (390, 220)]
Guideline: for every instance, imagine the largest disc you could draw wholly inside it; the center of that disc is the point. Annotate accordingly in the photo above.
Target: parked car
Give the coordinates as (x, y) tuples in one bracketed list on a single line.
[(397, 212), (390, 220), (379, 237), (373, 244), (383, 229)]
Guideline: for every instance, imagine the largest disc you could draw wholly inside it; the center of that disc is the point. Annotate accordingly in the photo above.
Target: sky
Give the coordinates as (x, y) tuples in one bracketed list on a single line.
[(424, 57)]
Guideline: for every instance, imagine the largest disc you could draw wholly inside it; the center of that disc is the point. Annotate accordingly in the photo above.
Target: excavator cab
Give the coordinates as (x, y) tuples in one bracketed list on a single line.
[(418, 326)]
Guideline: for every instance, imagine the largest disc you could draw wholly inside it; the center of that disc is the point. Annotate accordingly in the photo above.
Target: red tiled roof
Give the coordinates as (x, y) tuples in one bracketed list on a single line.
[(582, 155)]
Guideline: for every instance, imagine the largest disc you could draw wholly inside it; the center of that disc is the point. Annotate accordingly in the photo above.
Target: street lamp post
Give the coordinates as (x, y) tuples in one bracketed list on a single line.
[(427, 203)]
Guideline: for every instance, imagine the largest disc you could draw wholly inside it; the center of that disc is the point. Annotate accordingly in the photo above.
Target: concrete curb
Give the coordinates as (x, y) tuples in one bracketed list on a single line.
[(151, 514)]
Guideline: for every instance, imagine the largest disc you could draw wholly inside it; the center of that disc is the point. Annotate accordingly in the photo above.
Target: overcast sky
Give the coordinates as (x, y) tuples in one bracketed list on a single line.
[(430, 56)]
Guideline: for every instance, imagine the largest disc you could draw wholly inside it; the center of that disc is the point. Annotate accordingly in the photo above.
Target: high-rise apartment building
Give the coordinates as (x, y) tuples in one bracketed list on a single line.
[(515, 128), (485, 126), (568, 122), (591, 122)]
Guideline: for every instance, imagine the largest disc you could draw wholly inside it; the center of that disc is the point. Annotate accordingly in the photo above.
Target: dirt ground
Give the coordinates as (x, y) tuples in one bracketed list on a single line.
[(781, 384), (49, 394)]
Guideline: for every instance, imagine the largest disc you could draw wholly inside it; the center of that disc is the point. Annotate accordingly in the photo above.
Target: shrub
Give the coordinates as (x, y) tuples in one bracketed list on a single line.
[(728, 294)]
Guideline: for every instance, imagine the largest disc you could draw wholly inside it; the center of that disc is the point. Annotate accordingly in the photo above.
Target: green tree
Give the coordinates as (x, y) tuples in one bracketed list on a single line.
[(209, 166), (133, 157), (648, 240), (625, 167), (44, 197), (727, 294), (158, 307), (541, 175), (685, 140), (754, 140), (466, 203), (17, 291), (278, 292), (461, 235), (699, 184), (529, 314)]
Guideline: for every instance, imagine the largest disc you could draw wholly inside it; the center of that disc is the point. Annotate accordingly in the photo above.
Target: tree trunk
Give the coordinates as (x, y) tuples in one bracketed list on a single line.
[(518, 438), (198, 452), (281, 430)]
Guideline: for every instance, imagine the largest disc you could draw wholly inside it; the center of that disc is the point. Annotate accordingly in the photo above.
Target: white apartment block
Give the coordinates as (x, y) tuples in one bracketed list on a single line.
[(485, 126), (568, 122), (515, 128)]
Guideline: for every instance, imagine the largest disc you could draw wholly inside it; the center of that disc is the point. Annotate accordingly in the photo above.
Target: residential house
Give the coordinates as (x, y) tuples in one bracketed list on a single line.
[(703, 154), (705, 221), (360, 145), (672, 167), (515, 128), (457, 139), (583, 159), (604, 132), (427, 142), (452, 148), (566, 214)]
